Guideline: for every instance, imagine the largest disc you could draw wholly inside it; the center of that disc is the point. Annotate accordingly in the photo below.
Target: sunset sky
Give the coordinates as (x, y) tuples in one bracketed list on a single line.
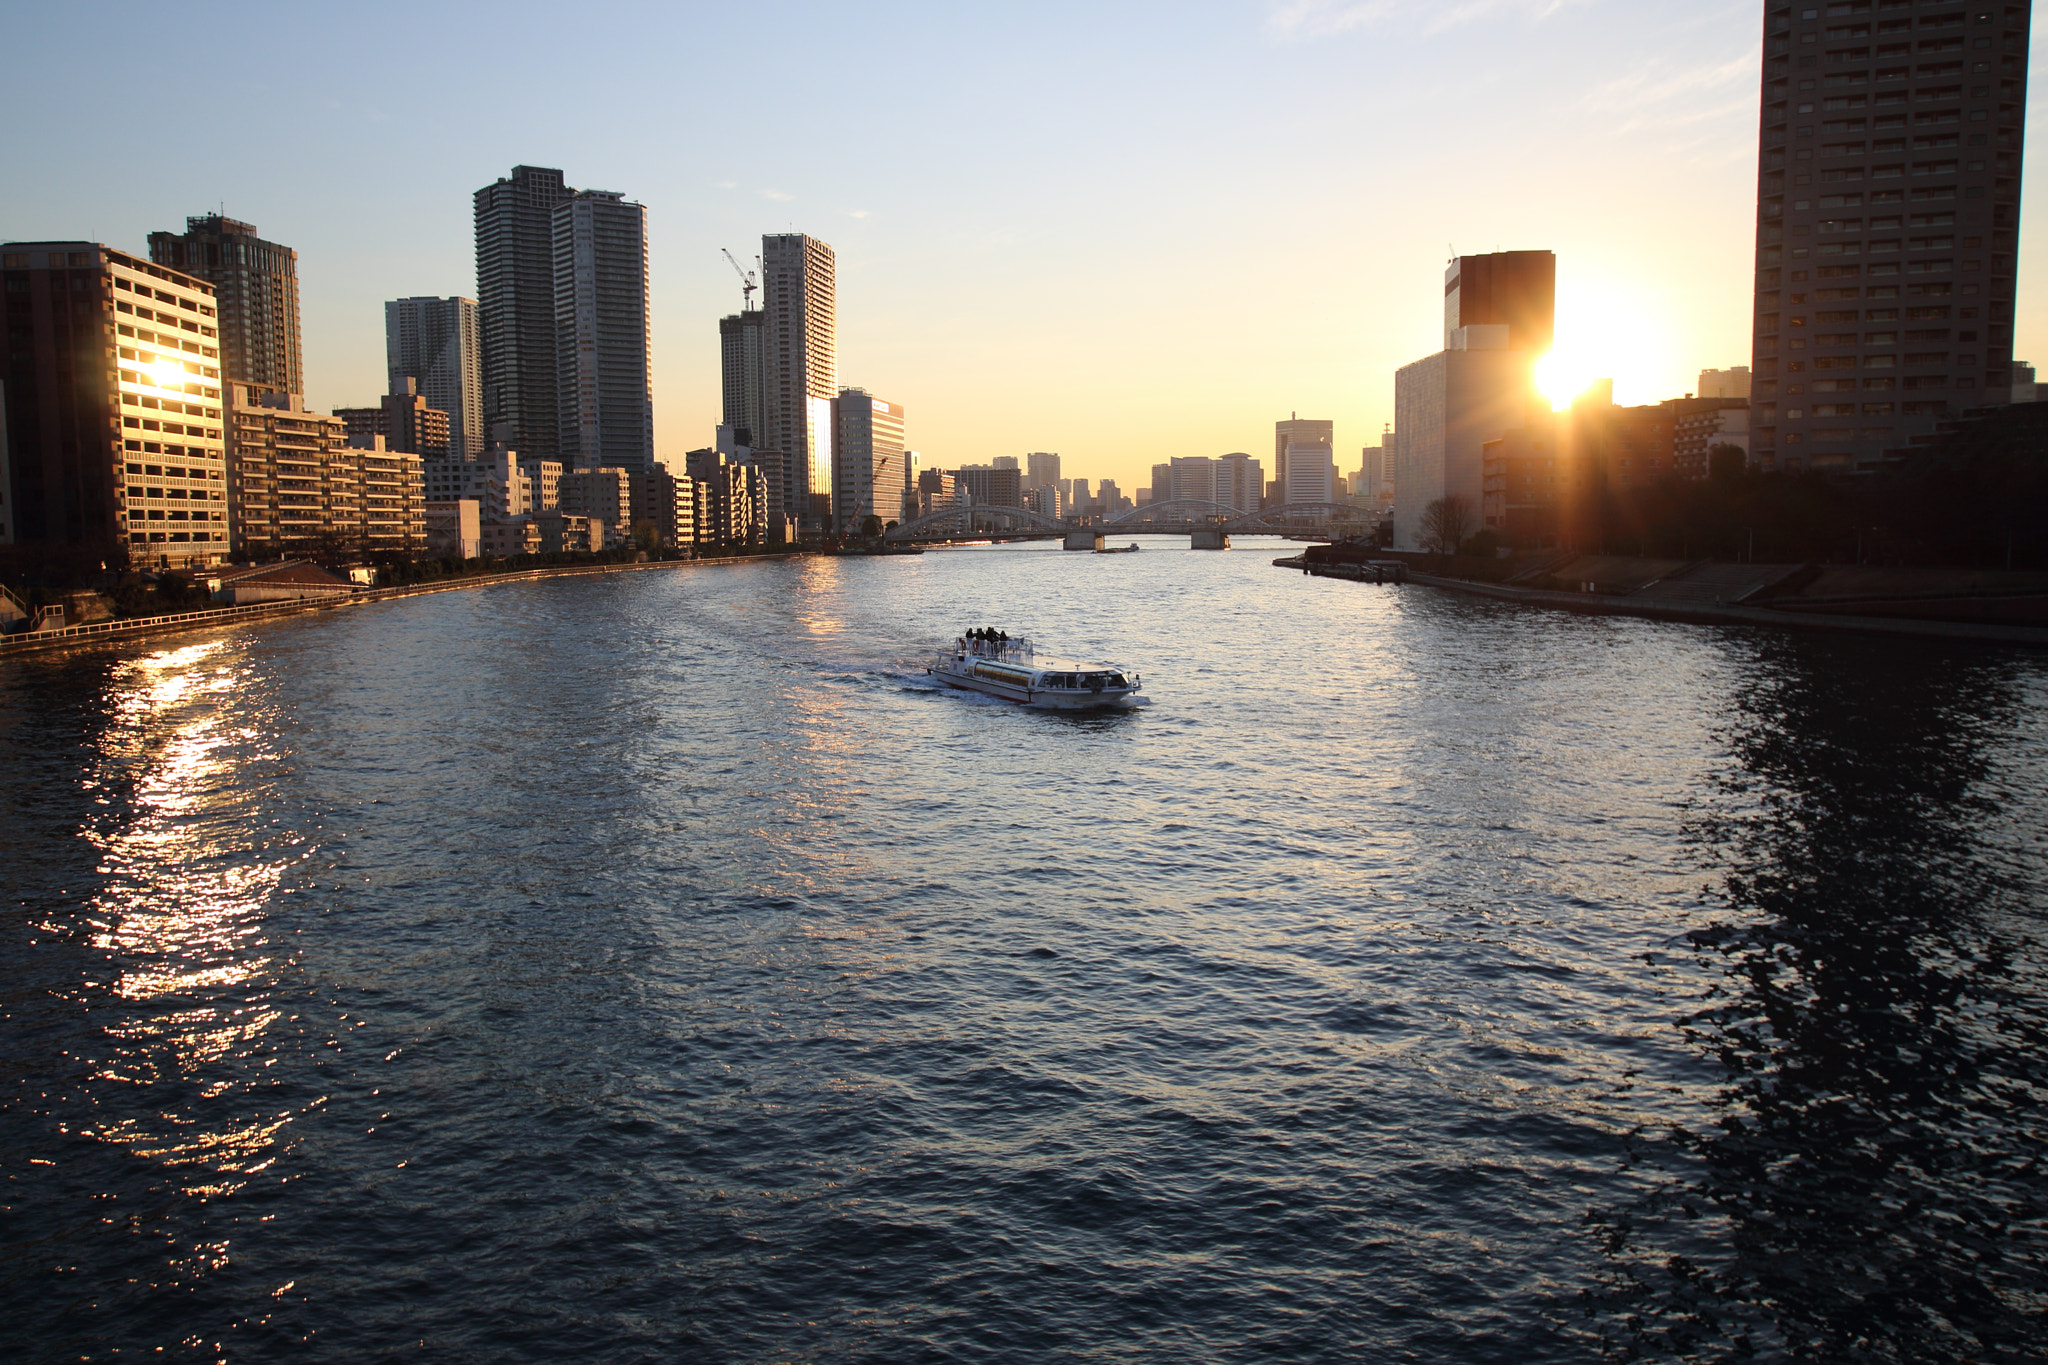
[(1123, 232)]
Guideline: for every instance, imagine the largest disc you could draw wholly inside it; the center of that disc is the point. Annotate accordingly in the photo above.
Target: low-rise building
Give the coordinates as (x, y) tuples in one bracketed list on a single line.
[(546, 478), (564, 532), (666, 504), (509, 538), (404, 421), (606, 494), (390, 500), (454, 529)]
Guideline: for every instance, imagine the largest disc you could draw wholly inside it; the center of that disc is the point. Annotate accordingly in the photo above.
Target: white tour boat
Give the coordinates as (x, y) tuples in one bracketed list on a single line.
[(1012, 670)]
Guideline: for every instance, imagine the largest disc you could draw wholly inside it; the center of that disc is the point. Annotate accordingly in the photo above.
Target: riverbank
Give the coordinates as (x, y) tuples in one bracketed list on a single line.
[(104, 632), (1952, 604)]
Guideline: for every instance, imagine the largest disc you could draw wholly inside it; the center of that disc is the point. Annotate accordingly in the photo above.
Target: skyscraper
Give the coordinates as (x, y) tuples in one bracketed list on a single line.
[(515, 282), (867, 458), (605, 406), (1888, 203), (113, 407), (256, 287), (1042, 469), (801, 299), (436, 344), (1297, 431), (743, 371)]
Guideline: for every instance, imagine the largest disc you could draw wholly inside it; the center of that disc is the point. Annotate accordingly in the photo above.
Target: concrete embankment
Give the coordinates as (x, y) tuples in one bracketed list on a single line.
[(1947, 604), (105, 632)]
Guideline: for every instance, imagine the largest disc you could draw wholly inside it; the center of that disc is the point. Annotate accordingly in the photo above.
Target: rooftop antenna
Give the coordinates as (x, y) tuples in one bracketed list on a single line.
[(747, 285)]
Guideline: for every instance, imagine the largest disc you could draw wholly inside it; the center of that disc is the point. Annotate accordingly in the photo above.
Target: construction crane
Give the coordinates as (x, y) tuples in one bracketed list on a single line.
[(747, 284)]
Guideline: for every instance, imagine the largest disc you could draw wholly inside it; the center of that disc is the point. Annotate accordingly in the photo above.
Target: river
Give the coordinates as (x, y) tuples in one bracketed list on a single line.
[(658, 967)]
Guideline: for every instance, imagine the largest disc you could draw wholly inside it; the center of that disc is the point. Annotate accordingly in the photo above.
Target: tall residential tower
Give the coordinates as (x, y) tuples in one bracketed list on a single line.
[(801, 301), (743, 372), (256, 286), (515, 280), (1888, 205), (605, 402), (436, 344)]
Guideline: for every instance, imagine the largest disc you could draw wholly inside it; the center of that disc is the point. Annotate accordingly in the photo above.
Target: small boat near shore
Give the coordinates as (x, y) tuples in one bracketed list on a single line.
[(1130, 549), (1014, 671)]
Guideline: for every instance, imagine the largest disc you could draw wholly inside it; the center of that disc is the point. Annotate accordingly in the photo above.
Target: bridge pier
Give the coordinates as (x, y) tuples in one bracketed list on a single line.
[(1208, 540), (1089, 539)]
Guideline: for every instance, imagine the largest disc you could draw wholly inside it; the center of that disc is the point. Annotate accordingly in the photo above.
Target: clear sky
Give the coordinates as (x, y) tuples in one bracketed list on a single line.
[(1119, 231)]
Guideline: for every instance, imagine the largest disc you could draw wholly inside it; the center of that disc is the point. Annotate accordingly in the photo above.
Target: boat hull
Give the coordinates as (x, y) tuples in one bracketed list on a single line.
[(1040, 698)]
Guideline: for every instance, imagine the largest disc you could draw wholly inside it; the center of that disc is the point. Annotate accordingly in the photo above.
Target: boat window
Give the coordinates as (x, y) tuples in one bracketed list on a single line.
[(1116, 680)]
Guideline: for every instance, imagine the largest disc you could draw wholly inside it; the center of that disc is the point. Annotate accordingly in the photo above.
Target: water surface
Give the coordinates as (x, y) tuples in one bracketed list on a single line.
[(658, 967)]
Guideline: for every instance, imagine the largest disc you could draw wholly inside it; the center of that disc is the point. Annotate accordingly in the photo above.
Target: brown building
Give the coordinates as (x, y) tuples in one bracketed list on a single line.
[(1888, 202), (300, 487), (257, 287), (404, 421), (111, 369), (1514, 289)]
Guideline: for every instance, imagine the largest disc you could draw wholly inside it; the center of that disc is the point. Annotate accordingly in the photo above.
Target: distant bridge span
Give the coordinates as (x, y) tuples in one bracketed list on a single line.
[(1178, 516)]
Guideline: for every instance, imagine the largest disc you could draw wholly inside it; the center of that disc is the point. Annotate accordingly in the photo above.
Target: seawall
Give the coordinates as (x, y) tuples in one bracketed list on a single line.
[(107, 632)]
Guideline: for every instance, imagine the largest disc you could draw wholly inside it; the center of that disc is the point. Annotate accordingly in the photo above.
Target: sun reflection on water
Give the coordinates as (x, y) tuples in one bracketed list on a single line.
[(180, 916)]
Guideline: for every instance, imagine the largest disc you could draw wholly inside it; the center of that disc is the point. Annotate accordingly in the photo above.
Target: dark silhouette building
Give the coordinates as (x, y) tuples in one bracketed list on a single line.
[(112, 400), (1888, 203), (515, 280)]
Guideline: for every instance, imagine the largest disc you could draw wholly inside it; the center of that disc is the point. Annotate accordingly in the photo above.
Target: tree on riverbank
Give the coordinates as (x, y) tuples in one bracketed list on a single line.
[(1445, 524)]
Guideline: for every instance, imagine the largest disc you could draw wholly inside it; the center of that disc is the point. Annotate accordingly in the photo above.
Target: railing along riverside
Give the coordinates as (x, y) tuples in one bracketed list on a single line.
[(26, 641)]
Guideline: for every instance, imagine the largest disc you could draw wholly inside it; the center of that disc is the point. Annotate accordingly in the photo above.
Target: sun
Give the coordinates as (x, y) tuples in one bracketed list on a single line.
[(1562, 376)]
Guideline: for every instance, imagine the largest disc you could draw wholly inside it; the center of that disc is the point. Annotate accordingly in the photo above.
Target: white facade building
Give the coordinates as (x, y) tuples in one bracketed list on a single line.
[(1446, 407)]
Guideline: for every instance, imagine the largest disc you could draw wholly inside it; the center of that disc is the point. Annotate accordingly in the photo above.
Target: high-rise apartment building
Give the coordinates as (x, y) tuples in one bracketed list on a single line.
[(113, 407), (743, 371), (515, 283), (1297, 431), (605, 393), (800, 296), (1512, 289), (1042, 469), (438, 344), (256, 288), (1888, 202), (867, 458)]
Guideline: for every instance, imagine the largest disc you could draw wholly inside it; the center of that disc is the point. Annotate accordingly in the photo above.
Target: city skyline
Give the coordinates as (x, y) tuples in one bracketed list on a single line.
[(1224, 334)]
